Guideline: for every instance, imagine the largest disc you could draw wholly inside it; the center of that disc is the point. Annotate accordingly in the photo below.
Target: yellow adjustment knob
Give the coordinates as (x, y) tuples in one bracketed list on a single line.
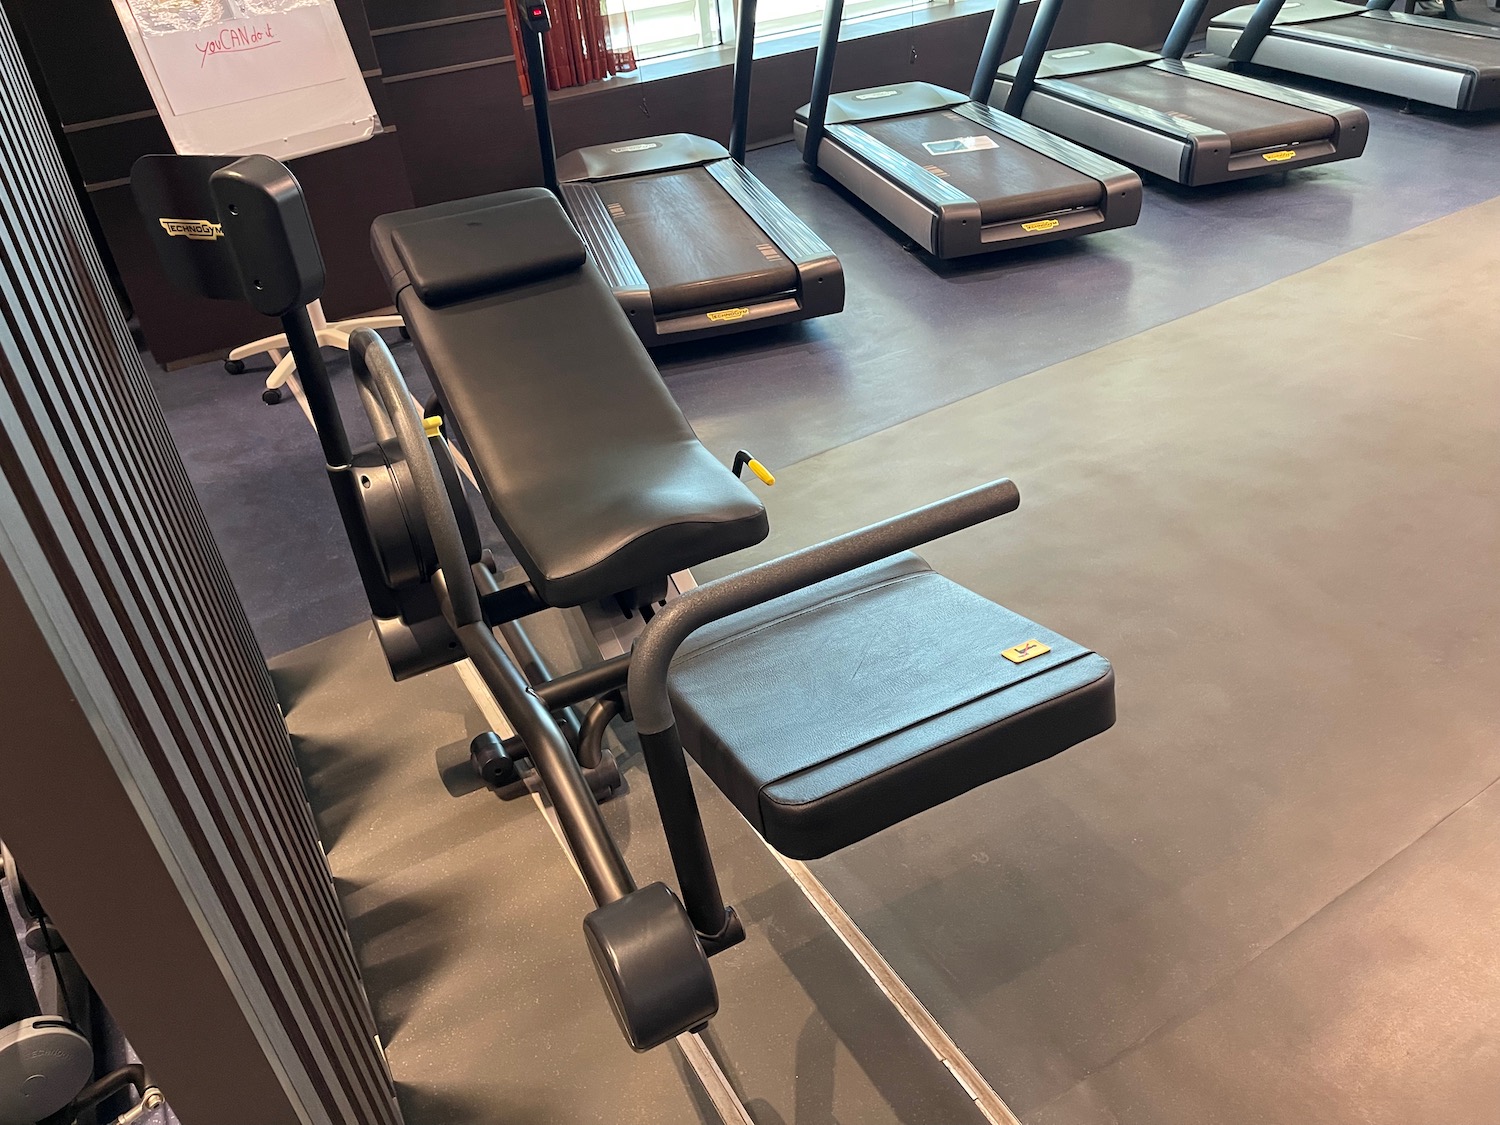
[(761, 471), (433, 426)]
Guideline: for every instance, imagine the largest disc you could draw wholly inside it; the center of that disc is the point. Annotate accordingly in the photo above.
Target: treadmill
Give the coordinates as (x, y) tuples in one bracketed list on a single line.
[(1442, 62), (692, 244), (953, 175), (1193, 124)]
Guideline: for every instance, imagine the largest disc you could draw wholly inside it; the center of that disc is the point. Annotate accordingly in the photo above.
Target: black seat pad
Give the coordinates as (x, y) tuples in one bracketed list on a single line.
[(838, 711), (589, 468)]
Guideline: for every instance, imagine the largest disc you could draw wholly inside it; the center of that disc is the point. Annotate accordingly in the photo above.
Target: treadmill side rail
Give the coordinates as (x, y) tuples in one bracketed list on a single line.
[(820, 277), (609, 252), (1298, 50)]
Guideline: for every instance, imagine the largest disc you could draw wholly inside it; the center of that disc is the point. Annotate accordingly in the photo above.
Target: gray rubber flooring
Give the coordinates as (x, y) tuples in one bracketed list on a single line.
[(467, 921), (1268, 893)]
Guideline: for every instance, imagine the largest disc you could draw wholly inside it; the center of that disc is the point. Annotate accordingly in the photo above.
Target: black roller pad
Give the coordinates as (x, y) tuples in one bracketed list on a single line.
[(459, 257), (833, 713)]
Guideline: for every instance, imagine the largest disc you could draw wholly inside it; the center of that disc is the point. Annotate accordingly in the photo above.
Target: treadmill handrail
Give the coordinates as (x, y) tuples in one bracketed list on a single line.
[(822, 81), (992, 54), (744, 65), (1188, 17), (541, 104), (1255, 30), (1042, 27)]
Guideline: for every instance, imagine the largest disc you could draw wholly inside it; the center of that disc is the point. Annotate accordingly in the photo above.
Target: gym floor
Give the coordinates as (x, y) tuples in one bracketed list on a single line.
[(1256, 440)]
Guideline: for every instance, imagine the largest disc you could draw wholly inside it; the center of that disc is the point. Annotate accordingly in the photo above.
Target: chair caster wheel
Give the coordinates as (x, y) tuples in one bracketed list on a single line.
[(652, 966), (234, 367), (271, 396), (492, 760)]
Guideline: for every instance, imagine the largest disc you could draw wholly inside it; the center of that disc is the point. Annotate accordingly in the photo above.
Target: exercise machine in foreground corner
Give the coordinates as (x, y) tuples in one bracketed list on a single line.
[(1442, 62), (692, 244), (953, 175), (1187, 122), (602, 490)]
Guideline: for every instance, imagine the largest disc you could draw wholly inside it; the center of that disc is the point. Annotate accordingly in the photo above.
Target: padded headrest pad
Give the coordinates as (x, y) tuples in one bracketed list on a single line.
[(460, 257)]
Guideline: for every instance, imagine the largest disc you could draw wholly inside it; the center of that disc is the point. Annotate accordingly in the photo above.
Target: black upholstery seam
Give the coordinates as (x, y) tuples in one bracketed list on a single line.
[(910, 726)]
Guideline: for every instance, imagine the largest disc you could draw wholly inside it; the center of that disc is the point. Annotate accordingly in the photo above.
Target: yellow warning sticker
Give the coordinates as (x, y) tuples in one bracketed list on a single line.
[(1040, 225), (1020, 654), (729, 314), (1278, 157)]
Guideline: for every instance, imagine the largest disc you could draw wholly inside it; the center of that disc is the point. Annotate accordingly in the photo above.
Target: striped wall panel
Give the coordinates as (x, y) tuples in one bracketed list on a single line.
[(146, 780)]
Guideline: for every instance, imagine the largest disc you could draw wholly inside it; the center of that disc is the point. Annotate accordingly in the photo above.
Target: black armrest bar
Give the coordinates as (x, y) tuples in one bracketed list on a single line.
[(592, 846), (659, 642)]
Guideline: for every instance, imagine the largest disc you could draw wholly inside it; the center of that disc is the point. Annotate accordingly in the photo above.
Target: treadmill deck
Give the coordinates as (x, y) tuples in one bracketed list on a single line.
[(1251, 122), (694, 245), (1009, 180)]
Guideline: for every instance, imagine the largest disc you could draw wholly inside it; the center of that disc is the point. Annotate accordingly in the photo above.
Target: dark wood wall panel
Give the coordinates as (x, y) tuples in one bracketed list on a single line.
[(399, 13), (464, 133), (482, 36), (151, 798)]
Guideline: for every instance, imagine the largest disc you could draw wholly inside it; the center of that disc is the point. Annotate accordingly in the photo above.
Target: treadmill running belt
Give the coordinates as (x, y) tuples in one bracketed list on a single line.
[(695, 246), (1009, 181), (1435, 43), (1251, 122)]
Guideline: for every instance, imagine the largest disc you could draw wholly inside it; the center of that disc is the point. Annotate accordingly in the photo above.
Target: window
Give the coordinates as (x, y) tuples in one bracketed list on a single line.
[(670, 27)]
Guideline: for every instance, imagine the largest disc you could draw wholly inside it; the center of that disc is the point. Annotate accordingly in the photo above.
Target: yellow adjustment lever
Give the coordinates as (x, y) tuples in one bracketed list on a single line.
[(433, 426), (742, 460)]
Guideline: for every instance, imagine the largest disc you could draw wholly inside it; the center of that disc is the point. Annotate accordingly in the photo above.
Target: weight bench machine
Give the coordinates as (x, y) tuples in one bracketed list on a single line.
[(768, 678)]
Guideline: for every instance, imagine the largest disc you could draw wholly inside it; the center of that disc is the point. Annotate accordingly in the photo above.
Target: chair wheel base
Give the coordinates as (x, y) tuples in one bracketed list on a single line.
[(271, 396), (234, 367)]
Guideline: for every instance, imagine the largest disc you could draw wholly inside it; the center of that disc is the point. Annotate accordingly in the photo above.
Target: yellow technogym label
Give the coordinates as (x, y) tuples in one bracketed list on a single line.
[(729, 314), (199, 230), (1278, 157), (1020, 654), (1041, 225)]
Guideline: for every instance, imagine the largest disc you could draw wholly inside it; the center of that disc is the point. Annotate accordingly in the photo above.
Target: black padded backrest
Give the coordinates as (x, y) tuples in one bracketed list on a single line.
[(459, 257), (261, 206), (173, 195), (231, 228)]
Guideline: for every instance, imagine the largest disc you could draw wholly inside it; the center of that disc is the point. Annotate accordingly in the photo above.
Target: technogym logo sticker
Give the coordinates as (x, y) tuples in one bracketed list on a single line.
[(199, 230), (636, 148), (873, 94)]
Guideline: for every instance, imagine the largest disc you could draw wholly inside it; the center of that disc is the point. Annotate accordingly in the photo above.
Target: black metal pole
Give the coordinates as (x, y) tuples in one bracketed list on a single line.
[(822, 84), (744, 64), (683, 825), (993, 54), (312, 373), (541, 107), (1182, 30), (1031, 59), (1256, 27)]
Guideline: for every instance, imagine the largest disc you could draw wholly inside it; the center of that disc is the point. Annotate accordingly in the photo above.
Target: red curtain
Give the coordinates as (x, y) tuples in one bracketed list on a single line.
[(585, 44)]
